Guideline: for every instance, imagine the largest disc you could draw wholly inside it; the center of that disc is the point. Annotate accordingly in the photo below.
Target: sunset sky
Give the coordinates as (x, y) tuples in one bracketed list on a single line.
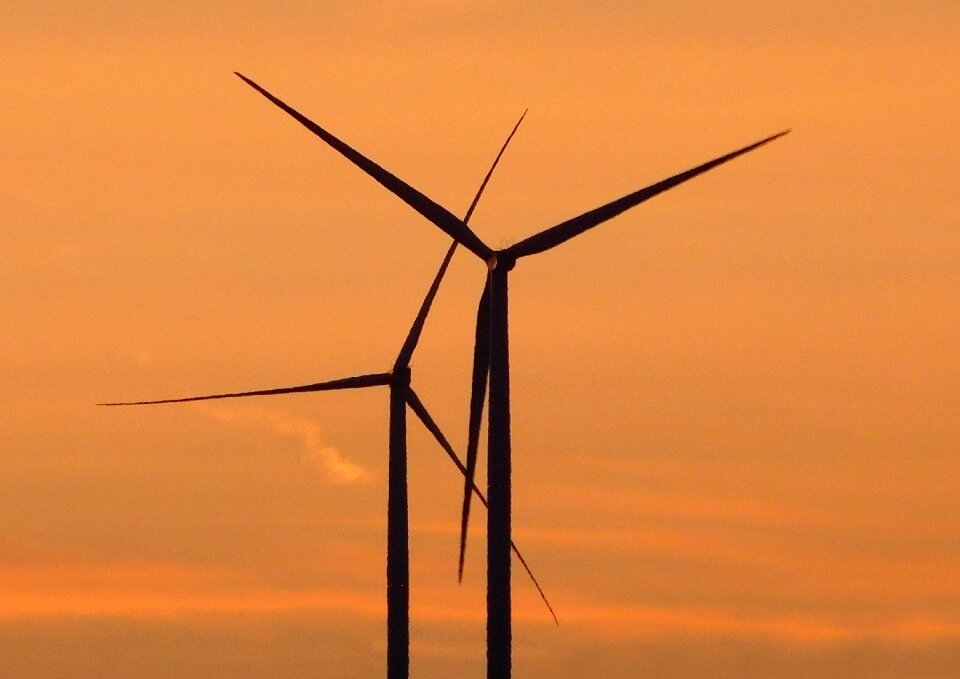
[(736, 408)]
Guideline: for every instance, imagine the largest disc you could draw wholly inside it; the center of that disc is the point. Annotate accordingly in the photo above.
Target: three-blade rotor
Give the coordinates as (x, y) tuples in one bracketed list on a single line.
[(358, 382)]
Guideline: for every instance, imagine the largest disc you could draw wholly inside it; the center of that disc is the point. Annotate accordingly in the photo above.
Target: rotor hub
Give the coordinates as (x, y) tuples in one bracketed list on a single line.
[(400, 376), (501, 260)]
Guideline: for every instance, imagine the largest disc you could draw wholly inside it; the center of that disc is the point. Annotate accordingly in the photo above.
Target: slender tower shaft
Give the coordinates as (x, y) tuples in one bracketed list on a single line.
[(499, 633), (398, 563)]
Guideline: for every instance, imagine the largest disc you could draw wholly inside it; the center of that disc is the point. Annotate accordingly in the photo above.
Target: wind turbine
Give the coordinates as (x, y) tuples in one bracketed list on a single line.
[(491, 353), (402, 395)]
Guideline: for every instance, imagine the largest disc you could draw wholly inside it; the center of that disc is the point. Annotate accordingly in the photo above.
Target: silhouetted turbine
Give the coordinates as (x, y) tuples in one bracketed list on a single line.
[(491, 354), (401, 396)]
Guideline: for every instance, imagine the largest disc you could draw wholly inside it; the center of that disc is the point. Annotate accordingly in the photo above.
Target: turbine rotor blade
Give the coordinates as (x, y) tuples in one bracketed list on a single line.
[(406, 352), (435, 213), (416, 405), (478, 390), (357, 382), (410, 343), (496, 161), (564, 231)]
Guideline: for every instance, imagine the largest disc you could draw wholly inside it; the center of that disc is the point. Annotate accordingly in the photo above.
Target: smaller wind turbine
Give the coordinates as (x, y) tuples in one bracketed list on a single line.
[(402, 395)]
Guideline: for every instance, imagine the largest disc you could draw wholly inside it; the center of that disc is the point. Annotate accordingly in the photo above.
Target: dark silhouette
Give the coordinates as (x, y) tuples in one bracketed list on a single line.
[(401, 396), (491, 355)]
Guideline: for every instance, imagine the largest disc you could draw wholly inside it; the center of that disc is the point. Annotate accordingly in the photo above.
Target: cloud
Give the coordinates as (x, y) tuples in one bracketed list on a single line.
[(725, 657), (624, 620), (327, 459), (146, 590)]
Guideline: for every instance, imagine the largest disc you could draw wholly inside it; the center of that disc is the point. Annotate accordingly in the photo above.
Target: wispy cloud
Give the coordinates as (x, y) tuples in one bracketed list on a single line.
[(627, 620), (143, 590), (158, 590), (327, 459)]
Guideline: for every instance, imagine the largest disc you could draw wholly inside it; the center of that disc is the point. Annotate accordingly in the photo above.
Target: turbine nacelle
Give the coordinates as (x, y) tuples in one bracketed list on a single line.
[(400, 376), (501, 260)]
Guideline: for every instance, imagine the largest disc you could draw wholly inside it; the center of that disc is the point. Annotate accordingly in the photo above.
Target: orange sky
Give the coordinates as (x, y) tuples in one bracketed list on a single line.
[(736, 408)]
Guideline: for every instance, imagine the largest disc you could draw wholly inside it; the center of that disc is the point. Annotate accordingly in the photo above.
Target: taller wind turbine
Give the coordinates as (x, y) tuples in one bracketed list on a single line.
[(491, 357), (491, 353), (402, 395)]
